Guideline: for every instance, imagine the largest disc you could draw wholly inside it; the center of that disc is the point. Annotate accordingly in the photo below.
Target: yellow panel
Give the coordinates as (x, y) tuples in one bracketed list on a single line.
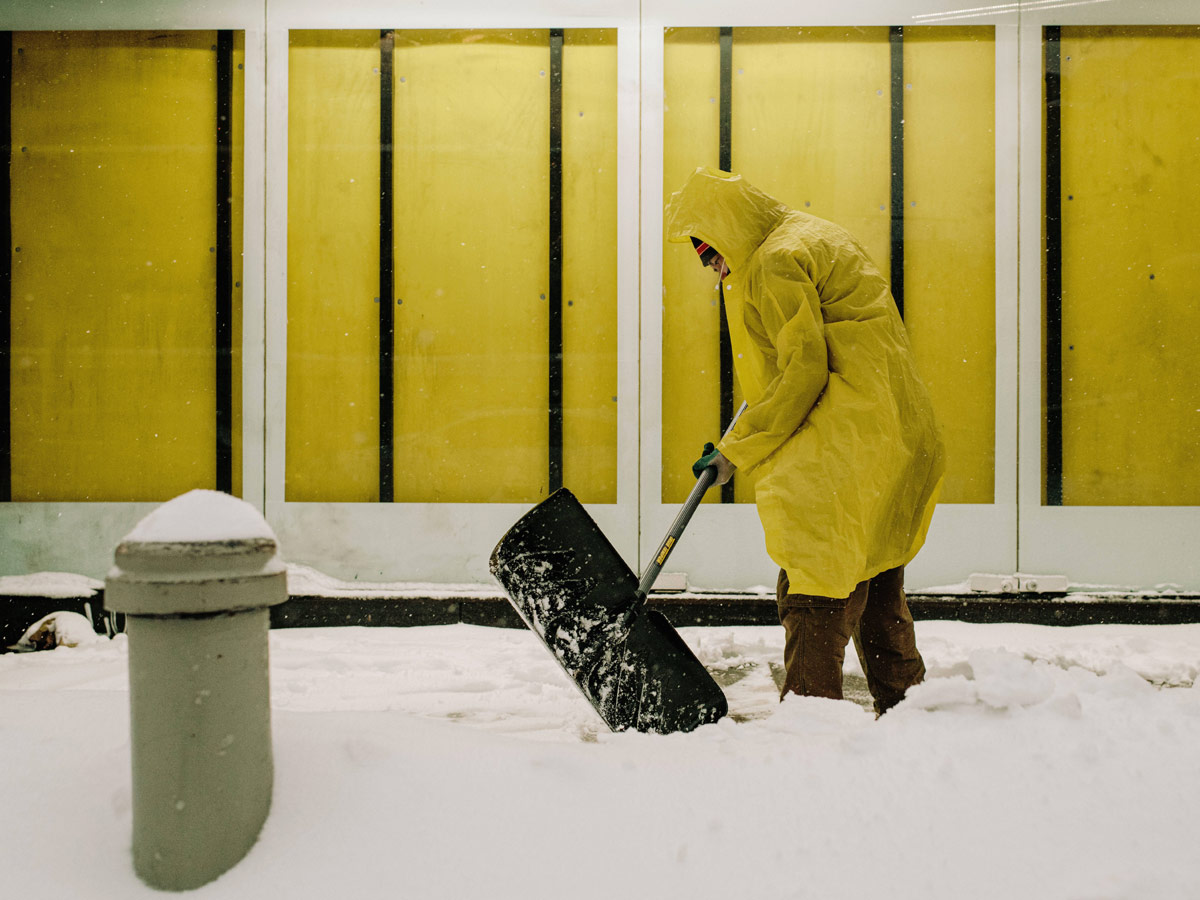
[(333, 267), (690, 359), (589, 119), (949, 242), (1131, 273), (812, 124), (472, 192), (114, 216)]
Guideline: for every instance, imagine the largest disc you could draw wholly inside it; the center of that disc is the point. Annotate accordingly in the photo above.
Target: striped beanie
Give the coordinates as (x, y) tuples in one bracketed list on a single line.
[(706, 252)]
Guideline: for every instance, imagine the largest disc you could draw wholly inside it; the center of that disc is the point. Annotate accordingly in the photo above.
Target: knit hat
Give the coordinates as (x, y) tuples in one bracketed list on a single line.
[(706, 252)]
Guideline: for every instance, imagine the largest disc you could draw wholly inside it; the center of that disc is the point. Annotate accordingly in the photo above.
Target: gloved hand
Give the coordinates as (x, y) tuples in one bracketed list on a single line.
[(715, 458), (707, 455)]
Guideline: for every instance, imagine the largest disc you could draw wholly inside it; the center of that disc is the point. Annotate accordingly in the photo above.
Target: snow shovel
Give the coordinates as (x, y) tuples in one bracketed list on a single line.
[(573, 590)]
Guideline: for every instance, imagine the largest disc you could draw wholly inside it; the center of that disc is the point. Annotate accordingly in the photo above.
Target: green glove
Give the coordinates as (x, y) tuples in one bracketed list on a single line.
[(706, 460)]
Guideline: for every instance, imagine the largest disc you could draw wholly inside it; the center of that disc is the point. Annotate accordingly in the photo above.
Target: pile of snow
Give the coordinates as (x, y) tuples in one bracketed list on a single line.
[(55, 585), (59, 629), (459, 761), (201, 516)]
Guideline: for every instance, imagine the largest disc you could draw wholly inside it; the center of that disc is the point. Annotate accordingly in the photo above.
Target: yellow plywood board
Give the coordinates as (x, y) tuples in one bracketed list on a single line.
[(811, 113), (471, 176), (812, 124), (949, 242), (1131, 272), (589, 125), (691, 312), (333, 267), (472, 265), (810, 121), (114, 221)]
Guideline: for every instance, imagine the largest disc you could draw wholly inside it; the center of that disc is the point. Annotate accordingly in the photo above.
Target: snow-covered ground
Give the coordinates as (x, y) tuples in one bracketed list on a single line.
[(459, 762)]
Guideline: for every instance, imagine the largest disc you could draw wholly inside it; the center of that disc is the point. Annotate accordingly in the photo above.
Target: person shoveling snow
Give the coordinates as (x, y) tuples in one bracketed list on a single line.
[(839, 435)]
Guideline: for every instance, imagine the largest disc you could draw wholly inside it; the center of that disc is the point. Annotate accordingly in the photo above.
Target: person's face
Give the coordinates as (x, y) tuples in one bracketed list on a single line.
[(717, 264)]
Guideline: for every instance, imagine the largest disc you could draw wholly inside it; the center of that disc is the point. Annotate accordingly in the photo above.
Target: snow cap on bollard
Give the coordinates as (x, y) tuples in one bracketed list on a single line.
[(195, 579), (198, 537)]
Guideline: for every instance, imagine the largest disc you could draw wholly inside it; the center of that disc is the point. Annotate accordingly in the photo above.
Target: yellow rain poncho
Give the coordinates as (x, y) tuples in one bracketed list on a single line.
[(839, 434)]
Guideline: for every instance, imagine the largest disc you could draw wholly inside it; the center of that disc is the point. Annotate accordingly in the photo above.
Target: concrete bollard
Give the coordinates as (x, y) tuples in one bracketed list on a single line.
[(195, 579)]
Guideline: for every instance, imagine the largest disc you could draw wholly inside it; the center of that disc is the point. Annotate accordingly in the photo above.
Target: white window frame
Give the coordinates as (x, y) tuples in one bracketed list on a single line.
[(438, 542), (79, 537), (1127, 547)]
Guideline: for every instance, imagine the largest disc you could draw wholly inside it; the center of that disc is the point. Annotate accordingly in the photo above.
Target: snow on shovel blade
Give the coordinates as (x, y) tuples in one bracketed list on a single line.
[(576, 593)]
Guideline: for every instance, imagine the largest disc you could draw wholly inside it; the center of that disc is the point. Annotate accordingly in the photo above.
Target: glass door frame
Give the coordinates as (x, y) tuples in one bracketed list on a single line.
[(443, 543), (1138, 547), (963, 538), (79, 537)]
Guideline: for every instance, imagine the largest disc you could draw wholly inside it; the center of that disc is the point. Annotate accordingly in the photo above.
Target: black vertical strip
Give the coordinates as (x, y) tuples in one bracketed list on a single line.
[(725, 153), (224, 325), (387, 278), (1054, 425), (6, 267), (725, 163), (896, 39), (555, 293)]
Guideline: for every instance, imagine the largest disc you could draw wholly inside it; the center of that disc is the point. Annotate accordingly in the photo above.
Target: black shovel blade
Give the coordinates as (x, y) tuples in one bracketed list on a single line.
[(575, 593)]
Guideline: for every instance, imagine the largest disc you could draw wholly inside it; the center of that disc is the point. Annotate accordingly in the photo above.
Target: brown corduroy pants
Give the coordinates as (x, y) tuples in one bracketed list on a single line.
[(875, 616)]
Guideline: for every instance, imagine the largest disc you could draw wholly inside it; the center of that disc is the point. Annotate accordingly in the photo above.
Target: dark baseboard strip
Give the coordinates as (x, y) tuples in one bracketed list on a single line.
[(17, 613)]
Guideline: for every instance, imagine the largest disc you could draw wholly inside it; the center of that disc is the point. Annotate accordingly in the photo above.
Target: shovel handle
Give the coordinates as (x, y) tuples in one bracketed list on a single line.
[(703, 483)]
